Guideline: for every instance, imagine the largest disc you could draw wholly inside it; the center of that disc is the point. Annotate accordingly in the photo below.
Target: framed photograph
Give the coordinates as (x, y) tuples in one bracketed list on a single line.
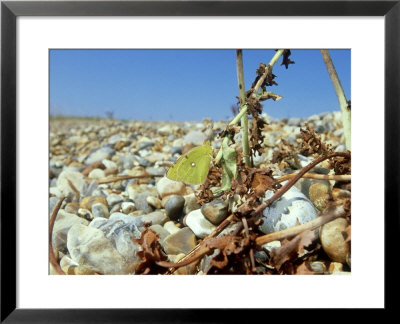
[(83, 157)]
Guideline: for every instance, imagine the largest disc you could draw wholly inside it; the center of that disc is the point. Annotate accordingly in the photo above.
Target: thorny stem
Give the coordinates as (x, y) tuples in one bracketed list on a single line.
[(292, 181), (52, 257), (344, 107), (244, 119)]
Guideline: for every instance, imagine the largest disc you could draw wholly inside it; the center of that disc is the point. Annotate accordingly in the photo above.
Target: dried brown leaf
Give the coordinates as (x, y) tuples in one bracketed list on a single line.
[(151, 253), (290, 250), (311, 143)]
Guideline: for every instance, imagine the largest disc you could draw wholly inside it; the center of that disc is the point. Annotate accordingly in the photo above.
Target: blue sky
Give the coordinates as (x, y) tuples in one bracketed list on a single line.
[(187, 84)]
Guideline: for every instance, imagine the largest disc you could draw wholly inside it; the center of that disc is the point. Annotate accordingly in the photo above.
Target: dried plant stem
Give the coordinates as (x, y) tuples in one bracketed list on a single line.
[(271, 63), (290, 232), (317, 222), (335, 177), (52, 257), (243, 110), (344, 107), (292, 181), (76, 191), (242, 100), (123, 177), (246, 229)]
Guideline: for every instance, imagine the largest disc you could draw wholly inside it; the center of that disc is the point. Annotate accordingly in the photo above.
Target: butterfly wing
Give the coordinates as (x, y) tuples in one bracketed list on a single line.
[(192, 167), (172, 173)]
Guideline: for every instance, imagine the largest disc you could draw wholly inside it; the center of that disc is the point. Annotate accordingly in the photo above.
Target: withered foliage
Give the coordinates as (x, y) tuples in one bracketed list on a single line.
[(311, 143), (228, 245), (286, 152), (341, 165), (151, 253), (269, 79), (256, 137), (236, 250), (291, 251), (262, 180), (285, 58), (205, 195)]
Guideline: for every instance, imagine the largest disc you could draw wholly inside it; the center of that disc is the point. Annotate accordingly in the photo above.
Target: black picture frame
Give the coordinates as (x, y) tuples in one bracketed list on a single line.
[(10, 10)]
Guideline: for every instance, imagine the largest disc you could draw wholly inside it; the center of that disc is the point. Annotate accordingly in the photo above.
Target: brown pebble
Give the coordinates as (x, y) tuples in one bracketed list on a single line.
[(318, 193), (89, 201), (72, 207), (333, 241)]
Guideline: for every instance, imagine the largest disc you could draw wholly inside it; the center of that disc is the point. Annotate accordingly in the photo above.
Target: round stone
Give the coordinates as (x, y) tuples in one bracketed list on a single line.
[(89, 201), (113, 199), (100, 210), (291, 209), (215, 211), (174, 206), (318, 193), (167, 187), (200, 226), (333, 242), (154, 201)]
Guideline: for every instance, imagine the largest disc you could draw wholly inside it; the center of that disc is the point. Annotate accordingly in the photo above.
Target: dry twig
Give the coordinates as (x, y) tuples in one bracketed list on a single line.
[(52, 257)]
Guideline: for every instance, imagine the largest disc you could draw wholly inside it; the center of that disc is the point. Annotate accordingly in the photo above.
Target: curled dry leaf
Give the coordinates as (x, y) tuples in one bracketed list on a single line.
[(151, 253), (341, 164), (285, 58), (228, 245), (291, 250), (262, 180), (311, 143)]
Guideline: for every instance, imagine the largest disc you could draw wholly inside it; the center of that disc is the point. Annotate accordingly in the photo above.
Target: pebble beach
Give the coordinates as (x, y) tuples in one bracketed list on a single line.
[(111, 174)]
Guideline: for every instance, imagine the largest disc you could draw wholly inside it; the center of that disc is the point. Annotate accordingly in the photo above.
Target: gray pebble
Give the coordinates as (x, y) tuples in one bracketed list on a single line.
[(174, 206), (141, 202), (100, 210), (292, 208), (100, 154), (113, 199)]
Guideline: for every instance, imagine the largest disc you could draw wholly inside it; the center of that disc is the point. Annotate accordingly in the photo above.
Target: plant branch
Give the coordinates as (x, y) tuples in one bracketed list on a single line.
[(335, 177), (317, 222), (122, 177), (242, 100), (257, 87), (292, 181), (52, 257), (271, 64), (344, 106)]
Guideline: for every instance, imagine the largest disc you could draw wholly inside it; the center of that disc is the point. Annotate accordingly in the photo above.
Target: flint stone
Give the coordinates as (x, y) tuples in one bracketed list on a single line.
[(215, 211), (292, 208), (174, 206), (166, 187), (182, 241), (100, 154), (89, 247), (156, 217), (200, 226), (62, 225), (75, 177)]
